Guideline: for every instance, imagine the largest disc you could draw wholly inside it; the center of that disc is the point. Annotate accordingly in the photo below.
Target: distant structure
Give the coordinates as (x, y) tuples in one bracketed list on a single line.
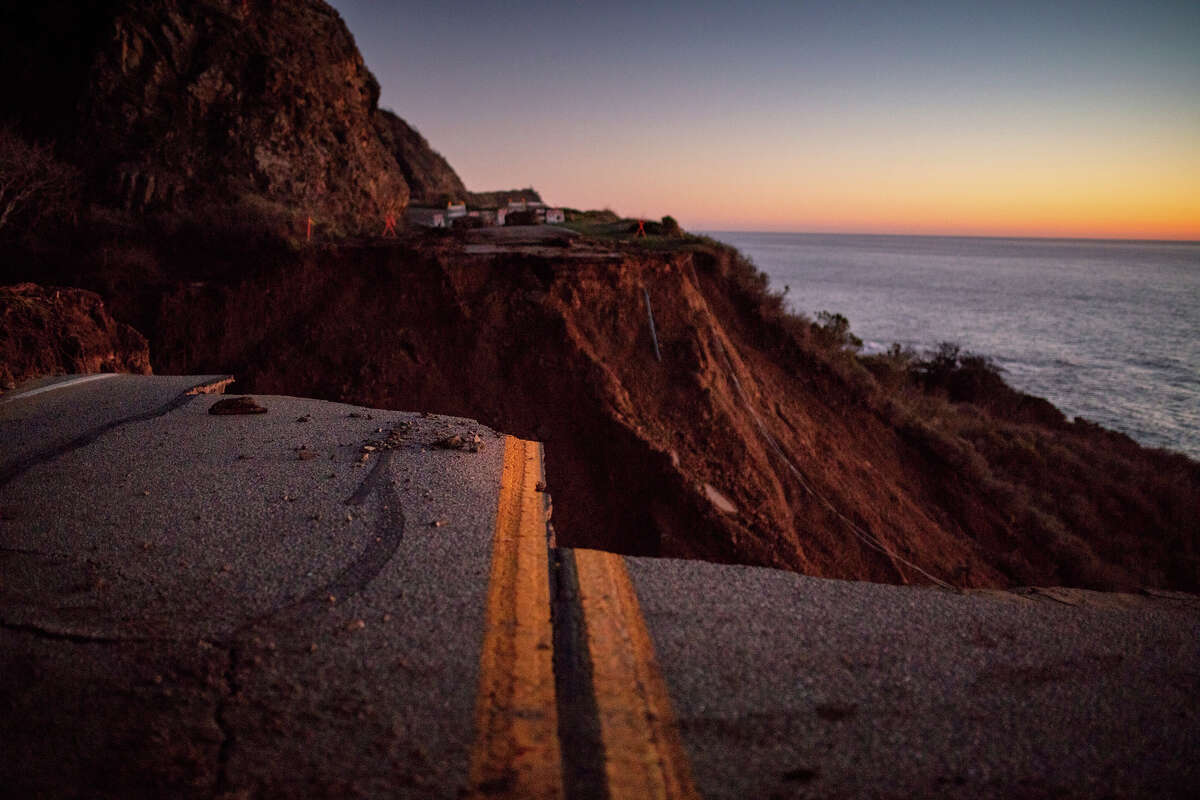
[(426, 217), (514, 212)]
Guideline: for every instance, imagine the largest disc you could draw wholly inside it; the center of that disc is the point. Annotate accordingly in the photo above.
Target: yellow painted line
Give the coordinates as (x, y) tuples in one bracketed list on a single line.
[(644, 754), (517, 752)]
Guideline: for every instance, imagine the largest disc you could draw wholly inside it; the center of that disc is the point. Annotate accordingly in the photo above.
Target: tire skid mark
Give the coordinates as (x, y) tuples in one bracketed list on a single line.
[(23, 465)]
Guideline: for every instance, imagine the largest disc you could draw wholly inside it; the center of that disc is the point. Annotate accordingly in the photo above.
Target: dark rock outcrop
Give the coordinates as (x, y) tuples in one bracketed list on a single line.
[(261, 106), (431, 180), (224, 99), (185, 102), (54, 331)]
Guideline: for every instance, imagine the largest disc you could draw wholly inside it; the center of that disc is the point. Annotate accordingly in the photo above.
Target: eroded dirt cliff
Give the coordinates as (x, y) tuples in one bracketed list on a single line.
[(57, 331), (750, 441)]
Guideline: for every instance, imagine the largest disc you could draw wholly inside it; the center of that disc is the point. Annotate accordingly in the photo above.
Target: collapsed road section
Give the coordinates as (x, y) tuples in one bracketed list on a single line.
[(221, 597)]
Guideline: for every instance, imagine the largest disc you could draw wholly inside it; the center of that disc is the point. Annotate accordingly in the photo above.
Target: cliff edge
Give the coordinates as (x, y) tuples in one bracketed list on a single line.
[(758, 438)]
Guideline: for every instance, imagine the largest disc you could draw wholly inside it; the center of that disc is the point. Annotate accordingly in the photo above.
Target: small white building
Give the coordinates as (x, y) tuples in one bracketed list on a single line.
[(554, 215), (455, 210)]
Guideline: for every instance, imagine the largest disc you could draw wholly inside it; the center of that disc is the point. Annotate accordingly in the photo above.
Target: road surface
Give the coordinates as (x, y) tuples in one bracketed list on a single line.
[(331, 601)]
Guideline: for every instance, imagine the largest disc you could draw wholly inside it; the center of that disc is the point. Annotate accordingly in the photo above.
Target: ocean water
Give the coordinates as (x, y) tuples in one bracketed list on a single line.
[(1106, 330)]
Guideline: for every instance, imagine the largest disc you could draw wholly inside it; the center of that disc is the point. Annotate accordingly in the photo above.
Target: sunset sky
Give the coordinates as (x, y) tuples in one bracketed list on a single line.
[(1002, 118)]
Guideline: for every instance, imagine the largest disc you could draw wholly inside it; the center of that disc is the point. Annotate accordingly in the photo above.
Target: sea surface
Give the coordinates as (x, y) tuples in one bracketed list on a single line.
[(1106, 330)]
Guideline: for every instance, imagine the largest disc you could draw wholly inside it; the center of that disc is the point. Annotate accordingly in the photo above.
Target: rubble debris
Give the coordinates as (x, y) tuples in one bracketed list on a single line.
[(393, 441), (470, 444), (236, 405)]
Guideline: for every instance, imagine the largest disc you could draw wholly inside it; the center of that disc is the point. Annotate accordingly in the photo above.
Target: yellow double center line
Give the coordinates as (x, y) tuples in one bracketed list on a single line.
[(517, 751)]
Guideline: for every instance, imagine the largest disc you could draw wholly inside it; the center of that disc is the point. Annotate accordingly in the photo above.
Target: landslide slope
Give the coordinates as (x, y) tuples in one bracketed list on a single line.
[(752, 440)]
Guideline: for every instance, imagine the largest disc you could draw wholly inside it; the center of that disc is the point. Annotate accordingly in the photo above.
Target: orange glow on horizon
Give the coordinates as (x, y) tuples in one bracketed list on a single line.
[(1116, 185), (1181, 226), (1104, 201)]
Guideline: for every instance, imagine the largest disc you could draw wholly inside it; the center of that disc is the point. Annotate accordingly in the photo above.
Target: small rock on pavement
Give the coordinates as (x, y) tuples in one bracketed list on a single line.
[(470, 444), (236, 405)]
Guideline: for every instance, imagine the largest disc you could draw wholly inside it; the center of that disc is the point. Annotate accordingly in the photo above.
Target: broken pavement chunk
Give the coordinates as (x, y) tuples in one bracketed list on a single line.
[(237, 405)]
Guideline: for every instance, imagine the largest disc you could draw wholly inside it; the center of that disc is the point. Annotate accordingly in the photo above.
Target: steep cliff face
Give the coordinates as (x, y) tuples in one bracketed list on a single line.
[(262, 105), (223, 99), (174, 103), (56, 331), (431, 180), (742, 444)]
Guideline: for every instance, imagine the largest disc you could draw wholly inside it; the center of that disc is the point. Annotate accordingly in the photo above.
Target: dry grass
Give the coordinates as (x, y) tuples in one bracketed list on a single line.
[(1074, 503)]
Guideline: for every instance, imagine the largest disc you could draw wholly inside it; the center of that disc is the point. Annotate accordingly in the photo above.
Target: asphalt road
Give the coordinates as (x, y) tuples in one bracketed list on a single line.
[(319, 602), (789, 686)]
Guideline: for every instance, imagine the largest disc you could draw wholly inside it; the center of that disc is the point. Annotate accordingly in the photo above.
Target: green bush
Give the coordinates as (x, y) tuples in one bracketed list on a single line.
[(834, 331)]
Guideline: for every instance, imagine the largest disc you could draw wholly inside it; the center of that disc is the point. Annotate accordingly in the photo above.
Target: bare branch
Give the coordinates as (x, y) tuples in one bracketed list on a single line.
[(33, 183)]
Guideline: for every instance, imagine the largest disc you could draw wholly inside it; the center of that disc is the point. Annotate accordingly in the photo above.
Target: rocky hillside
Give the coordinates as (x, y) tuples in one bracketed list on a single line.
[(262, 107), (176, 104), (57, 331), (756, 439), (431, 179)]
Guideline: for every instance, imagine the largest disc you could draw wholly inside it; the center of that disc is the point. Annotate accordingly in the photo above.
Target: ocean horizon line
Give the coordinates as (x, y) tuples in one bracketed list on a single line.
[(994, 237)]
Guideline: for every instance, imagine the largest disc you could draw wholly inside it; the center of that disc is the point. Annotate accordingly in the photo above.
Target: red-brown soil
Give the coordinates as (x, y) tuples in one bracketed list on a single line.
[(55, 331), (820, 459)]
